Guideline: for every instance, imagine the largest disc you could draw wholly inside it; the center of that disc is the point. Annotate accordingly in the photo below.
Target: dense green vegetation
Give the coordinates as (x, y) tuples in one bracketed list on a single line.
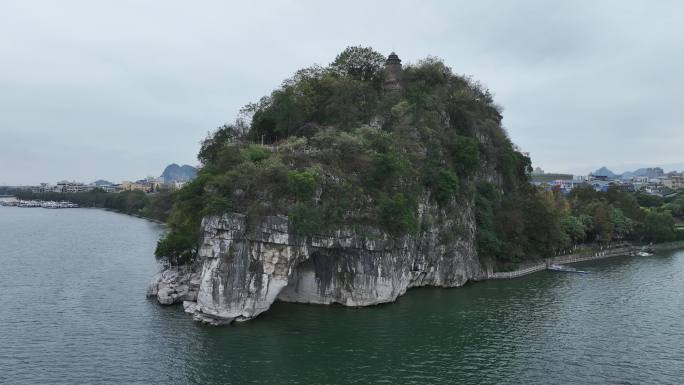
[(553, 222), (154, 206), (330, 149)]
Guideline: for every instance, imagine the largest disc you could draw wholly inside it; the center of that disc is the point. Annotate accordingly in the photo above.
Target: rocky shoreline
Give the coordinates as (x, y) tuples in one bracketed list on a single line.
[(239, 274)]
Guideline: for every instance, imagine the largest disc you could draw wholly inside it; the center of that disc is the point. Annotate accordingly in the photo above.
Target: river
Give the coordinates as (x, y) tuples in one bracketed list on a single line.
[(74, 311)]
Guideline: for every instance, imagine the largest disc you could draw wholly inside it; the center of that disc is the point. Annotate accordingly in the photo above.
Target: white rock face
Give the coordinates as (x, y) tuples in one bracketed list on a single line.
[(241, 276), (242, 273), (175, 284)]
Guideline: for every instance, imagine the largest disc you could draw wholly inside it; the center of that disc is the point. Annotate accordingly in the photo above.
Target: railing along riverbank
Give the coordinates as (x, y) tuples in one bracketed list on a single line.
[(621, 249)]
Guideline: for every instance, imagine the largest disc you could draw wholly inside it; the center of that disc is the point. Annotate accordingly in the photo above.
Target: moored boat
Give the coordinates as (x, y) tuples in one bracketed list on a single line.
[(565, 269)]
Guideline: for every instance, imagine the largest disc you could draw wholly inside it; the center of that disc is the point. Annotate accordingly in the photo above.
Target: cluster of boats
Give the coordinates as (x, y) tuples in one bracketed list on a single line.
[(43, 204)]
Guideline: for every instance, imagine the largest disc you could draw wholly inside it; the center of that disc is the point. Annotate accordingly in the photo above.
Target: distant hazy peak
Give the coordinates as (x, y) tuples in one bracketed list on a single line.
[(604, 171), (176, 173)]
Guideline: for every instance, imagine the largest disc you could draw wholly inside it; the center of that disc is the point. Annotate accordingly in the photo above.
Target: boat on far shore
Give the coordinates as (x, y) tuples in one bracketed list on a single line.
[(43, 204)]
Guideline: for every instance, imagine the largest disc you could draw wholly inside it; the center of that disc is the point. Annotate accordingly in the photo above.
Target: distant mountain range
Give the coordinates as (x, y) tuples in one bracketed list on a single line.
[(650, 172), (176, 173), (102, 182)]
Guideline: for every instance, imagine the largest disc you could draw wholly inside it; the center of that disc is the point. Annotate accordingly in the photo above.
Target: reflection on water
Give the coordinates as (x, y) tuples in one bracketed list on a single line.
[(74, 311)]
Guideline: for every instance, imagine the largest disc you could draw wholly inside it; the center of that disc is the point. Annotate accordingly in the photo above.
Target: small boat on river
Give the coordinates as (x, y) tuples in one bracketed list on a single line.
[(565, 269)]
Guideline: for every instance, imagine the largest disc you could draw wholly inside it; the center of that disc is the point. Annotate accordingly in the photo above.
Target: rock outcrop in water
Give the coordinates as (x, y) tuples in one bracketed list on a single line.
[(240, 273), (175, 284)]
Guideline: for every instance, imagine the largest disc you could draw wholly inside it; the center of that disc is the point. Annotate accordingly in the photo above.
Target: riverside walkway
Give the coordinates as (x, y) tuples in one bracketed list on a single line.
[(604, 252)]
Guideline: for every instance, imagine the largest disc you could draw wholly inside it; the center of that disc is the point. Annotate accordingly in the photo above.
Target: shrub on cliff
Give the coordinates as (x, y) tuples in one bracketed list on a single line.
[(302, 184), (179, 246)]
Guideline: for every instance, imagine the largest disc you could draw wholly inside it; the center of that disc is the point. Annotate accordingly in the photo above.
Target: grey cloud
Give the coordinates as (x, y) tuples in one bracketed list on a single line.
[(117, 90)]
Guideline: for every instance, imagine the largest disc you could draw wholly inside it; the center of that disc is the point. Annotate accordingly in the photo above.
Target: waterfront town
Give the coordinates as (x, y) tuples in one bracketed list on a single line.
[(173, 178), (62, 191), (651, 181), (148, 185)]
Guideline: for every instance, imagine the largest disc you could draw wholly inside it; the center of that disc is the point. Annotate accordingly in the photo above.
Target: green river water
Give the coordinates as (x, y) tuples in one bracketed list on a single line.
[(74, 311)]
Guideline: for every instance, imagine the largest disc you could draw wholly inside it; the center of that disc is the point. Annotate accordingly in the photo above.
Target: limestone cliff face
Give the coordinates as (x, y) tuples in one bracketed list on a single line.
[(241, 273)]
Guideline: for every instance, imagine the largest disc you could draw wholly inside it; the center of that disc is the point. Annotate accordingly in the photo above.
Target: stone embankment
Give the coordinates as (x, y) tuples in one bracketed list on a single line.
[(620, 249)]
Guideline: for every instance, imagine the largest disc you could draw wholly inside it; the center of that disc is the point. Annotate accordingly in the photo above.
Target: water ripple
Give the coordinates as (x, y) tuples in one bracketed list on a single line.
[(74, 312)]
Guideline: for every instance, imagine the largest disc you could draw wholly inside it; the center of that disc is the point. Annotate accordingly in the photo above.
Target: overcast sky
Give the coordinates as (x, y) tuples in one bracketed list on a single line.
[(119, 89)]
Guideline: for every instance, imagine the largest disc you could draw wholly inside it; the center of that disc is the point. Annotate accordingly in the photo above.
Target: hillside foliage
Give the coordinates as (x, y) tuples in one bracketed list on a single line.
[(330, 149)]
